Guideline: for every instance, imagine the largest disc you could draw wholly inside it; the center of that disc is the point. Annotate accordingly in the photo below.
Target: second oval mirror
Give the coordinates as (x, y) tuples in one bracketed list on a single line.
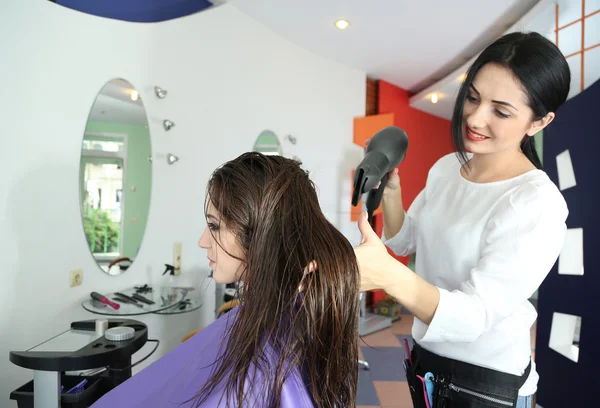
[(115, 176), (268, 143)]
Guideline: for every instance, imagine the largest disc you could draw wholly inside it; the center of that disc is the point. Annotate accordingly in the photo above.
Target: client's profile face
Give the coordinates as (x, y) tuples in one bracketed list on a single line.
[(222, 248)]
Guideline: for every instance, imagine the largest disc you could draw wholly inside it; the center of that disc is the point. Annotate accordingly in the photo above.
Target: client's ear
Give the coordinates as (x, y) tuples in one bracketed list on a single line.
[(312, 266)]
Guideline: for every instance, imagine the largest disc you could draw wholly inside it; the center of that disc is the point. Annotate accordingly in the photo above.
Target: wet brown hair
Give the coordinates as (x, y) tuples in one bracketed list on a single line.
[(271, 206)]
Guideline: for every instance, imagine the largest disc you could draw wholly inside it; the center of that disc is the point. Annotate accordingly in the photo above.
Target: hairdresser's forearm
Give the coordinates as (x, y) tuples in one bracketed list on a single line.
[(393, 213), (413, 292)]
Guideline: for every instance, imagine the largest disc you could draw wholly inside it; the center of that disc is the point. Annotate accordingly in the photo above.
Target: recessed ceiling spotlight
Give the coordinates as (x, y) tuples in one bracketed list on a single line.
[(342, 24), (434, 98), (134, 95)]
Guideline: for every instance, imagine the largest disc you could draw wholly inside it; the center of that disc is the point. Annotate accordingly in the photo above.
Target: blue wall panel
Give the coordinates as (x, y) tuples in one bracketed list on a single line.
[(563, 382)]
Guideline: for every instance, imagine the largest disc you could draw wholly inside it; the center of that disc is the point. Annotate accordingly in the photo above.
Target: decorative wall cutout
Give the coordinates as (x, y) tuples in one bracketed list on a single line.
[(566, 174), (570, 261), (564, 335)]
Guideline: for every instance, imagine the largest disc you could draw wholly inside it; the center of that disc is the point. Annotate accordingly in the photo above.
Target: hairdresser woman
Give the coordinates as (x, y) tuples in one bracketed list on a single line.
[(486, 229)]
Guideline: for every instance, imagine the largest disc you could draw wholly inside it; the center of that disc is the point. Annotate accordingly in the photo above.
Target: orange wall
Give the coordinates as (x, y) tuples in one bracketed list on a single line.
[(428, 140)]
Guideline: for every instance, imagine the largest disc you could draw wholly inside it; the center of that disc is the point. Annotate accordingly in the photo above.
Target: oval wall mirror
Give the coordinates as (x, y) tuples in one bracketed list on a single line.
[(115, 176), (268, 143)]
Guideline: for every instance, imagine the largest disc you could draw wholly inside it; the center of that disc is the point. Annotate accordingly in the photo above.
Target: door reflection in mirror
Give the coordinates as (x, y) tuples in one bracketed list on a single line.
[(116, 176)]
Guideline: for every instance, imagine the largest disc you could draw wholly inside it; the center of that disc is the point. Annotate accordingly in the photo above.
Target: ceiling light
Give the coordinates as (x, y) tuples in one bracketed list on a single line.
[(342, 24), (134, 95), (434, 98), (462, 78)]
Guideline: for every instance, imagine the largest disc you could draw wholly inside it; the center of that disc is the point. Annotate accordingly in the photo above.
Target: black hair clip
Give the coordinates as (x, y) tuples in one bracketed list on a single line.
[(143, 289), (184, 304)]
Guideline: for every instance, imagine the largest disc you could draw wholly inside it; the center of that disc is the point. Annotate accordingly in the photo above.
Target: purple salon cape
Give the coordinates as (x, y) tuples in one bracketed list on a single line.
[(180, 374)]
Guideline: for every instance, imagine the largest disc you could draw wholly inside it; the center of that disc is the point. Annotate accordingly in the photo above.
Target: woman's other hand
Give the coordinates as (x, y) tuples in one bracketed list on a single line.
[(392, 188)]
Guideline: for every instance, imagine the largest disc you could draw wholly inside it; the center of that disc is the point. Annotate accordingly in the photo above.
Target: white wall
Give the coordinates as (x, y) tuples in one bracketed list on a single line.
[(228, 79)]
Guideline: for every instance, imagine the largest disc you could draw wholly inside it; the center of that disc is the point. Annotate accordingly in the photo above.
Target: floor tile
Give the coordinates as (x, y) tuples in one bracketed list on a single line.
[(408, 337), (361, 356), (407, 405), (393, 393), (386, 363), (381, 338), (404, 325), (366, 394)]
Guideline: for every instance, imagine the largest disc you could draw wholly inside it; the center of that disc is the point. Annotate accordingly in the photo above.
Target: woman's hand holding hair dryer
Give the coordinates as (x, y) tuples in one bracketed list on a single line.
[(379, 270)]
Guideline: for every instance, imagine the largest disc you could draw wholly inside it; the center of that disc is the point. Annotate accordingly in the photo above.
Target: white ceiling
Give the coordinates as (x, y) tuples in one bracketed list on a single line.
[(411, 44), (422, 46), (113, 104), (540, 18)]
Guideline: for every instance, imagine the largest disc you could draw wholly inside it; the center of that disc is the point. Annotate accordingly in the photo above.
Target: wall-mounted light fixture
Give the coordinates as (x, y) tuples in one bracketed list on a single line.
[(171, 158), (167, 124), (161, 93)]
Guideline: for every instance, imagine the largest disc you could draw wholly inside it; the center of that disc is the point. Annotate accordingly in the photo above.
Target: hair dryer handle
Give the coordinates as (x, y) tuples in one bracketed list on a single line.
[(374, 197)]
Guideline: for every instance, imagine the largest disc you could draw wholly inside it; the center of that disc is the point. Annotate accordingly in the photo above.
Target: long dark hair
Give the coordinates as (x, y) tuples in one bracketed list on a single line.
[(271, 205), (540, 67)]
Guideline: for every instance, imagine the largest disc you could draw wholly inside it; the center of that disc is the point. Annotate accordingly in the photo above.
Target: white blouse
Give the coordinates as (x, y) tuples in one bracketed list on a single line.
[(487, 247)]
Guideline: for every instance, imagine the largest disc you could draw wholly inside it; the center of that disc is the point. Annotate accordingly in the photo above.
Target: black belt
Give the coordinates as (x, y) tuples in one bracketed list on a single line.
[(461, 384)]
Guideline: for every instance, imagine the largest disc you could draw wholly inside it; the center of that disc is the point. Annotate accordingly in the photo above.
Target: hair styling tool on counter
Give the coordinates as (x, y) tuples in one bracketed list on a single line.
[(385, 151), (122, 295), (142, 299), (129, 302), (103, 299), (143, 289)]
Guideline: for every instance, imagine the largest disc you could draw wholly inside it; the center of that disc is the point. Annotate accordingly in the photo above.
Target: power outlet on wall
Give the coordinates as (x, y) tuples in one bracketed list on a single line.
[(76, 277), (177, 257)]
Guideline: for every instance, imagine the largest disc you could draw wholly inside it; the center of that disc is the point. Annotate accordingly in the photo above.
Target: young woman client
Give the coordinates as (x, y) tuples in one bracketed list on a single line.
[(293, 341)]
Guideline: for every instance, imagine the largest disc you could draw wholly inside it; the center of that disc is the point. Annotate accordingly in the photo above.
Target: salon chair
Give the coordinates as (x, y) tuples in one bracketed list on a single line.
[(225, 307)]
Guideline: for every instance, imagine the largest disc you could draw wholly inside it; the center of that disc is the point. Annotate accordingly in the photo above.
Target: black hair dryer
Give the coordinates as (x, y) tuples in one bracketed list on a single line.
[(385, 151)]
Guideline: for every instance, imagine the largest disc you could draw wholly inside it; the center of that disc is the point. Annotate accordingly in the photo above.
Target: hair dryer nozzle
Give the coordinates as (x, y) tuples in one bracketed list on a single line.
[(385, 151)]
